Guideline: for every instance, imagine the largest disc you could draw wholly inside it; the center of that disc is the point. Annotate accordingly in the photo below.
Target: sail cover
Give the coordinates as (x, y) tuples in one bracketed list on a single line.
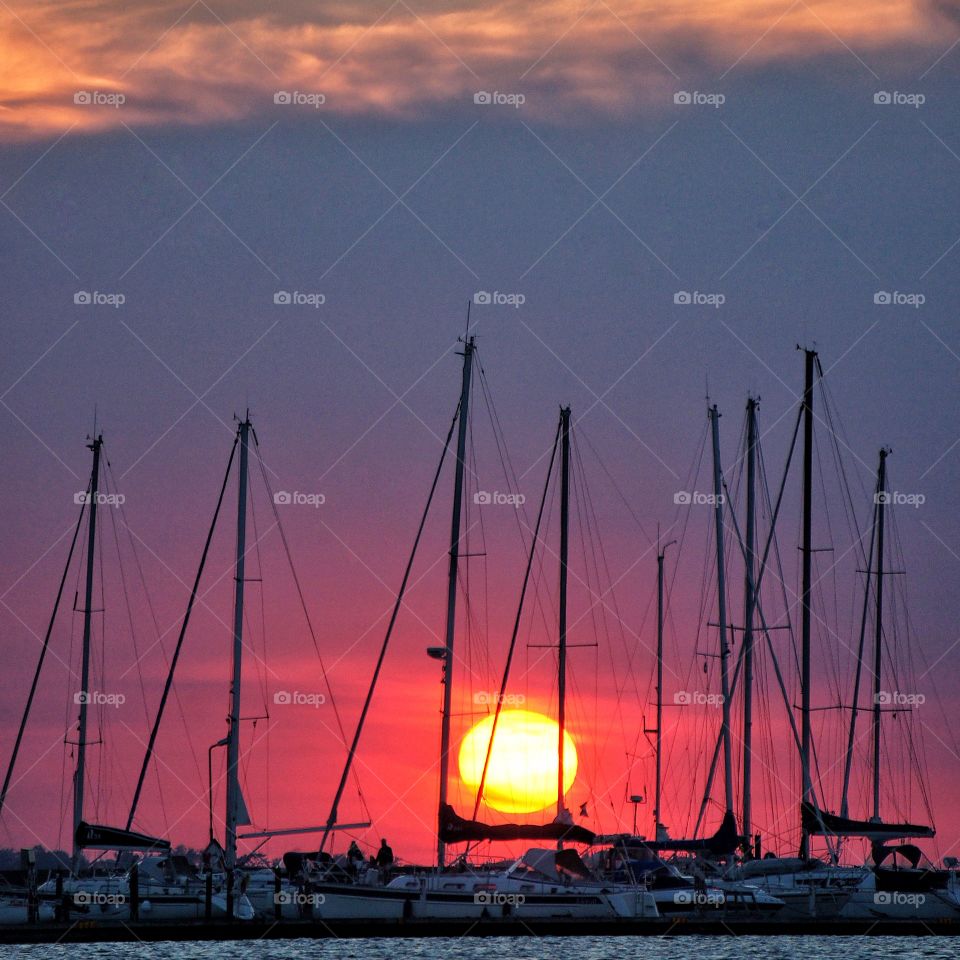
[(821, 823), (725, 840), (455, 829), (93, 837)]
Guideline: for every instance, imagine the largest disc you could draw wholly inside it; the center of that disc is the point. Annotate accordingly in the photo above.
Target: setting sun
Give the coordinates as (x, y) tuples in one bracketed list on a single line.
[(522, 775)]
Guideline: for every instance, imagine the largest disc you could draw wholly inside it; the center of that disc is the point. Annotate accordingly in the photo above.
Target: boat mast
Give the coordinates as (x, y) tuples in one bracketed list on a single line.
[(878, 636), (84, 697), (722, 611), (447, 680), (661, 551), (234, 797), (750, 601), (564, 550), (810, 357)]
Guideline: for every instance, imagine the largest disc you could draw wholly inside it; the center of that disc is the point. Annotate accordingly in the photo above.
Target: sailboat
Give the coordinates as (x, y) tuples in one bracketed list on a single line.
[(544, 882), (154, 885), (812, 887), (680, 891)]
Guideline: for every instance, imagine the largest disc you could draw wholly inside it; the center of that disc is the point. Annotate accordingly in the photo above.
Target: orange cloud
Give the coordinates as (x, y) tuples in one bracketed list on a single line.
[(205, 64)]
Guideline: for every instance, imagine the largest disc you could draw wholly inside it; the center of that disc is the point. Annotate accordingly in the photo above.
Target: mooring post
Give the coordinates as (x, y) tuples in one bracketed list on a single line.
[(277, 908), (135, 892)]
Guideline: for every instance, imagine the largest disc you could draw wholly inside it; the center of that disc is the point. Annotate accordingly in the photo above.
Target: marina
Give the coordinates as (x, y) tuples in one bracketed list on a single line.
[(582, 882)]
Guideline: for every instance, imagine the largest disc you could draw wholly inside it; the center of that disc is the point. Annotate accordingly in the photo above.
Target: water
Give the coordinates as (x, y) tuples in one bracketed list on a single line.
[(514, 948)]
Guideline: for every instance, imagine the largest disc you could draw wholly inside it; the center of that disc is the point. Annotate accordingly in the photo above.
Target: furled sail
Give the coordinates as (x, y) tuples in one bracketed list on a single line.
[(725, 840), (821, 823), (92, 837), (455, 829)]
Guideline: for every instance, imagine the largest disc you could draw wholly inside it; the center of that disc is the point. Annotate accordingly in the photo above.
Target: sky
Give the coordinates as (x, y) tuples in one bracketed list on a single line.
[(208, 208)]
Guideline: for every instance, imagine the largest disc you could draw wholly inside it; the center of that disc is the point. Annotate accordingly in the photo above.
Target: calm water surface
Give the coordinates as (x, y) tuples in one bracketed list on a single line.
[(514, 948)]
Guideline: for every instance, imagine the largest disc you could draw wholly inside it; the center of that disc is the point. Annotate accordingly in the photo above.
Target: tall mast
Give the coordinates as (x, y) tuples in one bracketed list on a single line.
[(657, 789), (84, 697), (878, 636), (234, 798), (750, 601), (810, 357), (564, 550), (468, 348), (722, 611)]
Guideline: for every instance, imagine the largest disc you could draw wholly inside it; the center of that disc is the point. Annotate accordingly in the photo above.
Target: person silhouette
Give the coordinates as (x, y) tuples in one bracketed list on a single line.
[(384, 856)]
